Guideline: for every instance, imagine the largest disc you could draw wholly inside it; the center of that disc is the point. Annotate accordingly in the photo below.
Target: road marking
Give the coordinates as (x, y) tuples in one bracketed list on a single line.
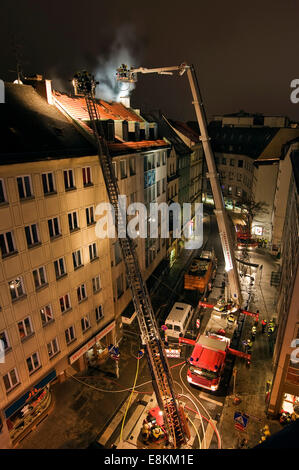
[(201, 395), (115, 422), (209, 433)]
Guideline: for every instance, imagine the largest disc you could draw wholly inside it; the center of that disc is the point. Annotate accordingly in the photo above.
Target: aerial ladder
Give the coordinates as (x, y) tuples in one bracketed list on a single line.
[(174, 422), (125, 74)]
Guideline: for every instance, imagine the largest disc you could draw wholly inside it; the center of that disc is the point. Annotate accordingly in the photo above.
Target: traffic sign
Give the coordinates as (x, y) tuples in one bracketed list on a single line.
[(164, 327), (241, 420)]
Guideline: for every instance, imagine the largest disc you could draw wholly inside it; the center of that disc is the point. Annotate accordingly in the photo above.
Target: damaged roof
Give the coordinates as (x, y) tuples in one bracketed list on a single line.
[(77, 107), (31, 129)]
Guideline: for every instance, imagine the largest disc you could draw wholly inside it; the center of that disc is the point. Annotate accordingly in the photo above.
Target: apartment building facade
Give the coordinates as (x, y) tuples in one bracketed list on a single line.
[(285, 385), (56, 297)]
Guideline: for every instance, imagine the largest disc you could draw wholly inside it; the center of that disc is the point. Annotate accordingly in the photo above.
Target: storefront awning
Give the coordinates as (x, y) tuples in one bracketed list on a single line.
[(21, 401)]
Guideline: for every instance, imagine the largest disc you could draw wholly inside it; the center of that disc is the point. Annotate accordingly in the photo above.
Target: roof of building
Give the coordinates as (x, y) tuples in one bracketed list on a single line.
[(250, 141), (186, 130), (142, 145), (274, 149), (165, 130), (31, 129), (106, 110)]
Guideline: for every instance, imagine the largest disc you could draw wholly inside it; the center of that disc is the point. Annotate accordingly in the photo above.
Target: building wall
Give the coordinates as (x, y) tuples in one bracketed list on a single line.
[(286, 374), (14, 216), (237, 178), (280, 200), (146, 185), (265, 192)]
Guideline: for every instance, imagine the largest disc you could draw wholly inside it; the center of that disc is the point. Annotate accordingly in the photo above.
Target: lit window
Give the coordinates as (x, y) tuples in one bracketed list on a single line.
[(46, 314), (16, 288), (25, 328)]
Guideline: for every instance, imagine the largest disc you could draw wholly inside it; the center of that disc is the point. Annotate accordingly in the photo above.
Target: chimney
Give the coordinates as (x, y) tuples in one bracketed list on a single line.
[(42, 86), (125, 100)]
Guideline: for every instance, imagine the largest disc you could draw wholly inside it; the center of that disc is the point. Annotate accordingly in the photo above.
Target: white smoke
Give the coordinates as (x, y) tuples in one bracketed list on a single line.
[(109, 88)]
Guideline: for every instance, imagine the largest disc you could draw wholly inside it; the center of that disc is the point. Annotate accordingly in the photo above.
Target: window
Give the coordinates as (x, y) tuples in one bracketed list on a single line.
[(16, 288), (46, 314), (81, 293), (25, 328), (239, 177), (119, 286), (5, 342), (7, 244), (48, 183), (238, 191), (65, 303), (54, 227), (32, 235), (117, 253), (33, 363), (2, 192), (164, 158), (60, 269), (24, 187), (123, 169), (114, 164), (230, 190), (99, 313), (158, 188), (86, 174), (68, 176), (11, 379), (158, 163), (223, 161), (240, 163), (39, 277), (93, 253), (89, 215), (73, 221), (70, 334), (85, 323), (53, 348), (132, 166), (232, 162), (96, 284), (163, 185), (77, 259)]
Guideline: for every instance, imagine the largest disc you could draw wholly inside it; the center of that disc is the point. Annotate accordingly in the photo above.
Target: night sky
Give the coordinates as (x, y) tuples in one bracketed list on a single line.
[(245, 52)]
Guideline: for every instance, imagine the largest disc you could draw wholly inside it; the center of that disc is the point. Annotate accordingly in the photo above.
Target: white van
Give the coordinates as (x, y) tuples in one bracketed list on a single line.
[(178, 320)]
